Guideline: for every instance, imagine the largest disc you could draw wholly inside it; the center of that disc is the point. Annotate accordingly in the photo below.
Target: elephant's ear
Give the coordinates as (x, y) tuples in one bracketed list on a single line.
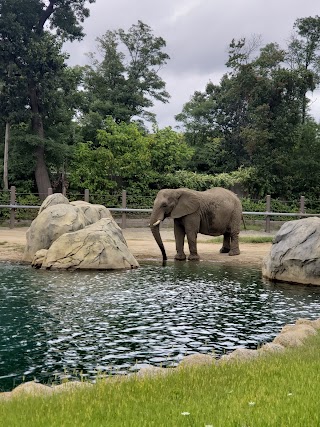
[(187, 204)]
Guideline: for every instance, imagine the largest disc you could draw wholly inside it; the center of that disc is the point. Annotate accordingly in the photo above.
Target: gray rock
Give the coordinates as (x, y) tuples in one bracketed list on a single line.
[(197, 359), (295, 253), (240, 355), (53, 199), (93, 213), (99, 246), (50, 224), (31, 388), (294, 335)]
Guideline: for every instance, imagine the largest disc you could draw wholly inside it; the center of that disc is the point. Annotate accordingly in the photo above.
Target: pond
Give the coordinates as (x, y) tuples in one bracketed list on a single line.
[(69, 324)]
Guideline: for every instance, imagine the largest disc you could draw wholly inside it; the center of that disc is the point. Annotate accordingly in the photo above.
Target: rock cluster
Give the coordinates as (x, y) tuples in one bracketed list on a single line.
[(76, 235), (295, 253), (290, 336)]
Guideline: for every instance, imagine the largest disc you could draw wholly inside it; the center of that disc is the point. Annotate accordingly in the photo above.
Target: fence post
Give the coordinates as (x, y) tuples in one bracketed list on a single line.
[(50, 192), (124, 205), (268, 209), (86, 195), (12, 202), (302, 205)]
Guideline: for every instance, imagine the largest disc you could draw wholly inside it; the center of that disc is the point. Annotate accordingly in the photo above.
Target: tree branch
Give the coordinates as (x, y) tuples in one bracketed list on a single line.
[(45, 15)]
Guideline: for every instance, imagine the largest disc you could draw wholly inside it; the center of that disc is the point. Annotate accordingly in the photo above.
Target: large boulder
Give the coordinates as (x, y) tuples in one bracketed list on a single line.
[(92, 212), (76, 235), (295, 253), (53, 199), (98, 246), (51, 223)]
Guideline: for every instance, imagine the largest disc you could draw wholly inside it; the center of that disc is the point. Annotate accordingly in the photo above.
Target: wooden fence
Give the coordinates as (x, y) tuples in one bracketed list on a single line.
[(124, 210)]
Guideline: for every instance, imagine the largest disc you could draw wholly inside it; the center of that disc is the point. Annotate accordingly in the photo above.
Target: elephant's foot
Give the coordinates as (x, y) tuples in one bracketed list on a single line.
[(234, 252), (224, 250), (193, 257), (180, 257)]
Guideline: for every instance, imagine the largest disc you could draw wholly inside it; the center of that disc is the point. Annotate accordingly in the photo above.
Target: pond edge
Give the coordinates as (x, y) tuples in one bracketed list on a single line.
[(291, 335)]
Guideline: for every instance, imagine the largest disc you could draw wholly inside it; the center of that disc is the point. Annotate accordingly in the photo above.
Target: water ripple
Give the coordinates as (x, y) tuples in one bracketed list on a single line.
[(60, 324)]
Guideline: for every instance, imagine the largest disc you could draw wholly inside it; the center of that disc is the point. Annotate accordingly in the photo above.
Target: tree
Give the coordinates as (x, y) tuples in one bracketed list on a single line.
[(252, 118), (36, 54), (126, 82), (304, 55), (124, 157)]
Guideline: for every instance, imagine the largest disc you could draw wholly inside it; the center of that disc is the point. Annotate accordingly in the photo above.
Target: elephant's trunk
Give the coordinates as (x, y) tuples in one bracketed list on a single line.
[(155, 228)]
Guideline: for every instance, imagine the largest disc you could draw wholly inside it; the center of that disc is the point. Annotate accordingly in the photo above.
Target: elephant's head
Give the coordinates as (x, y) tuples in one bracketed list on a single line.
[(174, 203)]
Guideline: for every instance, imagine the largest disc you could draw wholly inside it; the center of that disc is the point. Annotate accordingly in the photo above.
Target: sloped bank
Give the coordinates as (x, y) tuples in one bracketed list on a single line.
[(292, 335)]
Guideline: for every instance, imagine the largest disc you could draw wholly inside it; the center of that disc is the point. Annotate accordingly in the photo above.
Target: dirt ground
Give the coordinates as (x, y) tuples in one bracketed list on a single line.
[(142, 245)]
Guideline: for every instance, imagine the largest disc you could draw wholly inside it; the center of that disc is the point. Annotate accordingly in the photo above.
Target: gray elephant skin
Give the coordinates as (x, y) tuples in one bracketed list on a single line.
[(213, 212)]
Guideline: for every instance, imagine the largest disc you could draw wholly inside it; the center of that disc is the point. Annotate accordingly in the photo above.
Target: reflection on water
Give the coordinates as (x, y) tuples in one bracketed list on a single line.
[(63, 323)]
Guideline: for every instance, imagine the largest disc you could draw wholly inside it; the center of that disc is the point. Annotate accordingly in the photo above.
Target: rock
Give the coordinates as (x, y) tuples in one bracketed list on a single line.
[(314, 323), (294, 335), (53, 199), (5, 395), (152, 371), (93, 213), (271, 347), (50, 224), (99, 246), (240, 355), (196, 360), (39, 258), (33, 388), (70, 386), (295, 253)]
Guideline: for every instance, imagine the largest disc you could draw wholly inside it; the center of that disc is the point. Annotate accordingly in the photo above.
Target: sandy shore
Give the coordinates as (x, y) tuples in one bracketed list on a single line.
[(141, 243)]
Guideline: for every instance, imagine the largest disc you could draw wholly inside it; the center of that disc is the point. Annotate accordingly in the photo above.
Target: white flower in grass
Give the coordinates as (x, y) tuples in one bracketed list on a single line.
[(290, 394), (208, 425), (251, 403), (185, 413)]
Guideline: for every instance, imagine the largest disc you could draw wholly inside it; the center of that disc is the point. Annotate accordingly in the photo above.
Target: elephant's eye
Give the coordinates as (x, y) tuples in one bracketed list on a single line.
[(164, 204)]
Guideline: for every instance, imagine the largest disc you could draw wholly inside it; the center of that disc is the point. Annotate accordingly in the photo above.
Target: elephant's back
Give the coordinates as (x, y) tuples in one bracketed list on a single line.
[(222, 194)]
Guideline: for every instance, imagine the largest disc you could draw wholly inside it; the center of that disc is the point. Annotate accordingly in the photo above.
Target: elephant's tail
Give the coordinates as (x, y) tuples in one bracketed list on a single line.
[(244, 223)]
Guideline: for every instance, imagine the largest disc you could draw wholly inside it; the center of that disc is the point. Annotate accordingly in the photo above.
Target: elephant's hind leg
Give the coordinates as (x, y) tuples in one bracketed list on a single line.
[(234, 245), (226, 243)]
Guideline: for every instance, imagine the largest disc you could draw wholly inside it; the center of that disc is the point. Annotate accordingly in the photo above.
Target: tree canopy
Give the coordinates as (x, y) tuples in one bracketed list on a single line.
[(93, 127)]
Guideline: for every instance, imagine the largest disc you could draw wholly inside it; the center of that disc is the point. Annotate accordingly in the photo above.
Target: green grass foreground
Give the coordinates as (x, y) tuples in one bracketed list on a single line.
[(276, 390)]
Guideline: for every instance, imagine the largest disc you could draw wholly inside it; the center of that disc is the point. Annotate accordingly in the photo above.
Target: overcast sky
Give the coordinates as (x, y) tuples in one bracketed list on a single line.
[(197, 33)]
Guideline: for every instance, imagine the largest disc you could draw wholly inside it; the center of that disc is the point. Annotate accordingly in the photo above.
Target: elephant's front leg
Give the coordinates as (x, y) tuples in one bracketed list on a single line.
[(192, 242), (179, 234)]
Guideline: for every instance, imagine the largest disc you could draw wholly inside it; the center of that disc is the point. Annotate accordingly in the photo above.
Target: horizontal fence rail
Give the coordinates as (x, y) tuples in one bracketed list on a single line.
[(268, 214)]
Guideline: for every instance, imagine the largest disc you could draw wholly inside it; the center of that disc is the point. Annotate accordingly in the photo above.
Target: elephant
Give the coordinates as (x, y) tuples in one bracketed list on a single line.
[(213, 212)]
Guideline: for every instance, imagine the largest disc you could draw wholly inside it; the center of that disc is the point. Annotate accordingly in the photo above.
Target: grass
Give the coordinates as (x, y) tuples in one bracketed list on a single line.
[(276, 390), (244, 239)]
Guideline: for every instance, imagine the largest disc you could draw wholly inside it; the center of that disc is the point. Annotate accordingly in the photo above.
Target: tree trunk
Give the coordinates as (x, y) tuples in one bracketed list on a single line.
[(41, 172), (5, 157)]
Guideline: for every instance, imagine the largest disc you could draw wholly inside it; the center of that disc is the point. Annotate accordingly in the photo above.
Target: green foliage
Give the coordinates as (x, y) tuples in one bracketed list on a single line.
[(126, 82), (33, 72), (168, 151), (124, 157), (202, 182), (256, 117)]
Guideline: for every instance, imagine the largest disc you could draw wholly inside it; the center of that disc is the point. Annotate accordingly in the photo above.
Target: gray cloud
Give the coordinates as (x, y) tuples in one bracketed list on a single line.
[(197, 33)]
